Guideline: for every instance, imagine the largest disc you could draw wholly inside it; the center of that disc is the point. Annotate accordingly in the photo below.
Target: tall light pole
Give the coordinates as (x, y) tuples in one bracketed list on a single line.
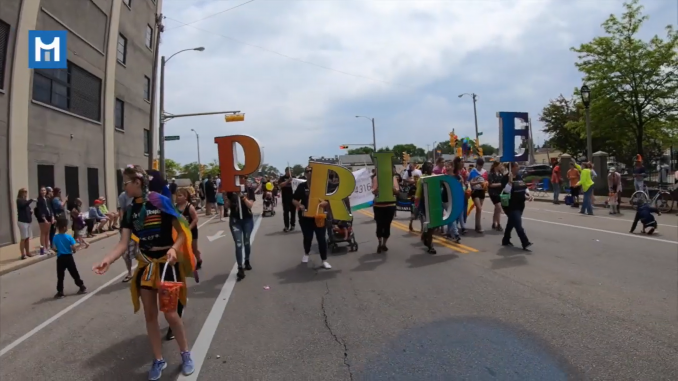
[(585, 93), (197, 140), (161, 128), (474, 96), (374, 131)]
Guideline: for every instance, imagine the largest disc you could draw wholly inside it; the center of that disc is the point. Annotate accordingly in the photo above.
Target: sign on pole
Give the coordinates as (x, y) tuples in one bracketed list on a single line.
[(173, 137)]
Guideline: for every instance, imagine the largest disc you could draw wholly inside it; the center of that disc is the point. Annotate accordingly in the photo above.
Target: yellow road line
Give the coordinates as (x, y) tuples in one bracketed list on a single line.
[(451, 245)]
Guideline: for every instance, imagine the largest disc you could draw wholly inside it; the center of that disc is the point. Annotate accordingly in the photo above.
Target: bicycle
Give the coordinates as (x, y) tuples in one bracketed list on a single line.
[(662, 200)]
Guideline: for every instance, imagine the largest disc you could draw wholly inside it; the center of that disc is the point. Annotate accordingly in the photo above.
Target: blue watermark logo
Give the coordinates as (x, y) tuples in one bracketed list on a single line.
[(47, 49)]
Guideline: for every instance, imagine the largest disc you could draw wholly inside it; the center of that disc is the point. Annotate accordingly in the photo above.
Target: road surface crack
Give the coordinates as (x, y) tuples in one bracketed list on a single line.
[(334, 335)]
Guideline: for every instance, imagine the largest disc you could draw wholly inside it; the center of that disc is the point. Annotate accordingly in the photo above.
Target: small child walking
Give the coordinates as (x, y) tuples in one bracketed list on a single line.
[(65, 248), (645, 217)]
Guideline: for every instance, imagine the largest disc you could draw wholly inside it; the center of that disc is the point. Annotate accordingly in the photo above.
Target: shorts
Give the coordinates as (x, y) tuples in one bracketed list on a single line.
[(80, 233), (25, 230), (478, 193), (220, 203), (495, 198), (212, 200), (194, 234)]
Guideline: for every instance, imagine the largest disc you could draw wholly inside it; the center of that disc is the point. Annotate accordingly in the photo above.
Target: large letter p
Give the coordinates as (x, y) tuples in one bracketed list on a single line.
[(228, 165)]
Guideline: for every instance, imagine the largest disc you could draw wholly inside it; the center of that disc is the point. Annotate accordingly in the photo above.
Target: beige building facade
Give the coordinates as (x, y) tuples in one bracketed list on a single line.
[(73, 128)]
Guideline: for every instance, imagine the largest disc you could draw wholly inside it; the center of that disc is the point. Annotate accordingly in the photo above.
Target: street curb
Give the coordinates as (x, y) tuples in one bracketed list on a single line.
[(22, 263), (598, 205)]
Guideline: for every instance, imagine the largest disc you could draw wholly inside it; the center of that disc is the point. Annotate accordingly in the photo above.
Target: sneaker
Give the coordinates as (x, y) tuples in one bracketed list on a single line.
[(304, 259), (198, 265), (292, 228), (286, 230), (42, 250), (506, 243), (156, 370), (241, 273), (187, 366), (526, 247), (248, 266), (379, 249), (170, 335), (82, 290), (326, 265), (456, 239), (384, 248), (59, 295)]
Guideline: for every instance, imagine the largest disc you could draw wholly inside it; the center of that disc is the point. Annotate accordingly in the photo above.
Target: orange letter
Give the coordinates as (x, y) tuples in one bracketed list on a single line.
[(228, 162)]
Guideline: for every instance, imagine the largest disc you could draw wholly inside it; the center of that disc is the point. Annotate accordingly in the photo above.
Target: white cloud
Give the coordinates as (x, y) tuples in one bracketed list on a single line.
[(409, 60)]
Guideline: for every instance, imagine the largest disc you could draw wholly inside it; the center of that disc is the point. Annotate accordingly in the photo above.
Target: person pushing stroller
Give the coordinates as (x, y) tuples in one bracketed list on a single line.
[(644, 215)]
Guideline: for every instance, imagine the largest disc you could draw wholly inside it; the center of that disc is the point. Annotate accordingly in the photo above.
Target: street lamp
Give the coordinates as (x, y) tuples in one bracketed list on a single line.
[(473, 96), (197, 140), (161, 128), (585, 93), (374, 132)]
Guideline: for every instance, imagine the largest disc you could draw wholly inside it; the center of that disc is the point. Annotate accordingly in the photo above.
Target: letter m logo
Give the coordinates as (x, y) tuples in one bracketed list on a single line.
[(47, 49)]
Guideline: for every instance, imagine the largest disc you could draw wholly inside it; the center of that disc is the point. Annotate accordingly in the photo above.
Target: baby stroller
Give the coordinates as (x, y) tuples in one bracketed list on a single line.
[(268, 204), (340, 232)]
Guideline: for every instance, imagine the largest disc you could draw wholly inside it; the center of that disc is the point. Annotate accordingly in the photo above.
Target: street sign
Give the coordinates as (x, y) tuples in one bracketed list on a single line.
[(174, 137), (480, 134)]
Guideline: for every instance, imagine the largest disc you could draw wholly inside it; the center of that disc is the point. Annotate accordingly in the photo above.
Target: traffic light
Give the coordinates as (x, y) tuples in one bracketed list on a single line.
[(343, 147), (453, 140), (480, 151), (156, 165), (406, 158), (459, 152), (234, 118)]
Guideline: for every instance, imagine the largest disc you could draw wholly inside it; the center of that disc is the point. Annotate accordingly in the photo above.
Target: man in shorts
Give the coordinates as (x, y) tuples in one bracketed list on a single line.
[(124, 202)]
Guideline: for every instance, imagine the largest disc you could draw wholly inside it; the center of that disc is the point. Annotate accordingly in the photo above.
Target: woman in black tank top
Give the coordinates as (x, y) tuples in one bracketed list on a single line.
[(186, 208)]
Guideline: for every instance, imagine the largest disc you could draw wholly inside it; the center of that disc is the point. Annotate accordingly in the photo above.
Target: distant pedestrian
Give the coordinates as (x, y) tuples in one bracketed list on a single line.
[(555, 183), (586, 183), (515, 186), (65, 246), (43, 213)]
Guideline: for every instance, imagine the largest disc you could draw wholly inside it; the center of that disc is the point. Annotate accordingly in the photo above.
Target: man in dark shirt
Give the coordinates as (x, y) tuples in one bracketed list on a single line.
[(285, 184), (210, 195), (173, 190), (513, 184)]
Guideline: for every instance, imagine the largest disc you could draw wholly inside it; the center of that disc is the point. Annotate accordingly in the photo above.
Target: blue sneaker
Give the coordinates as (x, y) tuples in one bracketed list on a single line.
[(156, 370), (187, 366)]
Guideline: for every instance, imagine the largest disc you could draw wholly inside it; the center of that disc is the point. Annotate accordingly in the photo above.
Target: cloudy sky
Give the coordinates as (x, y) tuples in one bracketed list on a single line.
[(302, 70)]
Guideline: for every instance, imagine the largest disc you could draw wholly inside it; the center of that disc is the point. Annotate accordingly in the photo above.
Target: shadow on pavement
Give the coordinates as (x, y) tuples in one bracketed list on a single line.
[(301, 273), (511, 257), (129, 360), (467, 348), (369, 262), (426, 259), (115, 288), (277, 233), (209, 288)]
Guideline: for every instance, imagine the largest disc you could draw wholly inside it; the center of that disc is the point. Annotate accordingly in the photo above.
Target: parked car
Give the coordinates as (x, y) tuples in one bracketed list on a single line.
[(541, 170)]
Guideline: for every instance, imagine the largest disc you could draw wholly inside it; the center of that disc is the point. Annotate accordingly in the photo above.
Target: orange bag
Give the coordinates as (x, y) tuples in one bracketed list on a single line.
[(168, 292), (320, 218)]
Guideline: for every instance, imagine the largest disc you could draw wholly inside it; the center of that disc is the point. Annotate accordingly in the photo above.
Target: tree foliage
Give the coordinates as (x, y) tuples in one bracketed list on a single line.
[(555, 116), (634, 83)]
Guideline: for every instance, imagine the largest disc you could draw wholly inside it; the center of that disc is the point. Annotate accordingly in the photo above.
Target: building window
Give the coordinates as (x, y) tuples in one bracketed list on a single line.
[(128, 3), (147, 88), (4, 44), (92, 184), (122, 49), (119, 114), (149, 37), (147, 141), (72, 89)]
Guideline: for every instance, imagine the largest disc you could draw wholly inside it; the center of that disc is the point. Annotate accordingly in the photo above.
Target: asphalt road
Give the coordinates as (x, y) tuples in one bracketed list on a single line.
[(591, 302)]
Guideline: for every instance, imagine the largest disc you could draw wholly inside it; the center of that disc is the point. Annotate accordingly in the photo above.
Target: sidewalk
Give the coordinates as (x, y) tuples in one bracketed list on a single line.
[(599, 200), (10, 259)]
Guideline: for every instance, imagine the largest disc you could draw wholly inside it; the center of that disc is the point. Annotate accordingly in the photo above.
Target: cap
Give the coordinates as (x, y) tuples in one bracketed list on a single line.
[(48, 189)]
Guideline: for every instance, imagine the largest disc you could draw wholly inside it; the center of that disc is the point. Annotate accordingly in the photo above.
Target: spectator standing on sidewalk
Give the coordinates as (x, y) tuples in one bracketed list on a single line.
[(24, 218), (556, 181)]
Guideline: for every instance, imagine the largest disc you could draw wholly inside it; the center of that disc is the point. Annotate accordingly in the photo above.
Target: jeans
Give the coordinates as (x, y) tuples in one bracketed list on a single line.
[(241, 231), (308, 228), (639, 184), (515, 221), (384, 217), (587, 205), (556, 193), (288, 212)]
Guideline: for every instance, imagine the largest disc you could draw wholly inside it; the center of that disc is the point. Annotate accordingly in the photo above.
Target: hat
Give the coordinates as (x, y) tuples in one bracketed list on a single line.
[(98, 202), (48, 189)]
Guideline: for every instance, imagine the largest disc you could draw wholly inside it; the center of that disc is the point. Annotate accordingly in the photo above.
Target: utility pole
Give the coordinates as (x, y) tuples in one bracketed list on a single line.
[(197, 140), (475, 113), (531, 141), (154, 92), (374, 136), (161, 128)]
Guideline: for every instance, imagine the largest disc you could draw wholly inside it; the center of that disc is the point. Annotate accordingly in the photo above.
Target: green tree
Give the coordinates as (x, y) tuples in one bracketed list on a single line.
[(361, 151), (488, 149), (191, 171), (172, 168), (640, 78), (297, 170), (555, 116)]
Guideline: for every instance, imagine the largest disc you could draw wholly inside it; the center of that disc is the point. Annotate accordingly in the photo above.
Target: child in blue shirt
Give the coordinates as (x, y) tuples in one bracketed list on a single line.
[(65, 247)]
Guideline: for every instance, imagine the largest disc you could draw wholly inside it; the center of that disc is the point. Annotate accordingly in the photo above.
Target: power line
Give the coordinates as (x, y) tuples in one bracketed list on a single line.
[(294, 58), (208, 16)]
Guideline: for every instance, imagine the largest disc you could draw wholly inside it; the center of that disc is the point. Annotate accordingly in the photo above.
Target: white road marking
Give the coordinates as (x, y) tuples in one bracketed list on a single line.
[(204, 341), (633, 212), (68, 309), (219, 234), (639, 236)]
